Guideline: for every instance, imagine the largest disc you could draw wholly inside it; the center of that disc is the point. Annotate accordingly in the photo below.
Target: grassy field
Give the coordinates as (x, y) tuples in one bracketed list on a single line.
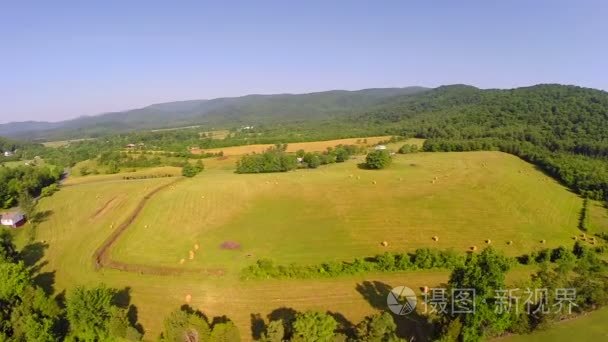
[(32, 162), (311, 146), (464, 198), (61, 143), (335, 212), (591, 327), (75, 178)]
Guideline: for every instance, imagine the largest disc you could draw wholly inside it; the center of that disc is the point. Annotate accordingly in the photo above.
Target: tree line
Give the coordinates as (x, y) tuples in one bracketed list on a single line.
[(423, 258), (16, 182), (276, 159)]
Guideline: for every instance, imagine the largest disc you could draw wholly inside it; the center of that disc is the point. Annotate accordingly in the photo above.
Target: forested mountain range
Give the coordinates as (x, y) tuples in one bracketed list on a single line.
[(244, 110)]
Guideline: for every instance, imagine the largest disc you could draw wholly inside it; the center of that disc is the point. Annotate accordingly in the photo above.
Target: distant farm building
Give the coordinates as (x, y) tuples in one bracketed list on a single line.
[(130, 145), (380, 147), (13, 219)]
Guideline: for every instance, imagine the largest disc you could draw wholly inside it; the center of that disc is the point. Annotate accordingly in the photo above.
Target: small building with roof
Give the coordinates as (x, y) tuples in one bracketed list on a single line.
[(12, 219)]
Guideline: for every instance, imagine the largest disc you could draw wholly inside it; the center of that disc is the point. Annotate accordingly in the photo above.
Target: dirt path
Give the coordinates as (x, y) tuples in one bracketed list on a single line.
[(102, 259), (101, 210)]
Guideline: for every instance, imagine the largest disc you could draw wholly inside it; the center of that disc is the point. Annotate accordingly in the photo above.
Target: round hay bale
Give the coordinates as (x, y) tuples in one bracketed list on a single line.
[(575, 238), (202, 196), (146, 226), (190, 255), (384, 243), (276, 183), (188, 298), (488, 241), (435, 238), (509, 242), (196, 246), (182, 261), (543, 241), (358, 177), (373, 182), (400, 179), (473, 248)]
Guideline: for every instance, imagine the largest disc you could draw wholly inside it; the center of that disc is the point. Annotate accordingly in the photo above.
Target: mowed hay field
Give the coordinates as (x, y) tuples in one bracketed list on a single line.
[(339, 212), (335, 212), (311, 146)]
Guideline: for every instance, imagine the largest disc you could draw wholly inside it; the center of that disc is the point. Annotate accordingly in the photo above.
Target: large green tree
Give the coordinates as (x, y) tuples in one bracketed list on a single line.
[(480, 278), (314, 326), (94, 316), (377, 328), (378, 159)]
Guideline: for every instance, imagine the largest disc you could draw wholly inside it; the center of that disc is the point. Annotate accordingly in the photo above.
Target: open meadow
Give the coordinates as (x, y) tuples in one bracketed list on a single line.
[(339, 212), (589, 327), (335, 212)]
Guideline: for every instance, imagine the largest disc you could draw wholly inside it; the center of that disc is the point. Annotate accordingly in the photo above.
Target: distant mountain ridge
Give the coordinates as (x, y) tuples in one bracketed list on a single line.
[(248, 109)]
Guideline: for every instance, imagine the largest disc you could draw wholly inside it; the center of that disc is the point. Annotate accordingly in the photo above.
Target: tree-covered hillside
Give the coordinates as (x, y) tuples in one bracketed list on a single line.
[(563, 129)]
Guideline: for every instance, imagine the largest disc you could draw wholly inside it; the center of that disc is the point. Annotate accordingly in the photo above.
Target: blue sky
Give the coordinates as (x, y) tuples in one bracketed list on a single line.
[(62, 59)]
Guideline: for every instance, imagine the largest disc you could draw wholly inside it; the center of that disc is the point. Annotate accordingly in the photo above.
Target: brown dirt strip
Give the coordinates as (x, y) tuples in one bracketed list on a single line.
[(101, 257), (101, 210)]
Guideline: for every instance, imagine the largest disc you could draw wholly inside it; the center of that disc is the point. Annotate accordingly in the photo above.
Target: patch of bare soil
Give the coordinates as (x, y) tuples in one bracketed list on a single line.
[(230, 245)]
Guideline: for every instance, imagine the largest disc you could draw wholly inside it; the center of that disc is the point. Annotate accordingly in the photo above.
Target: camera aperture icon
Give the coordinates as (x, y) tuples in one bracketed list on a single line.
[(401, 300)]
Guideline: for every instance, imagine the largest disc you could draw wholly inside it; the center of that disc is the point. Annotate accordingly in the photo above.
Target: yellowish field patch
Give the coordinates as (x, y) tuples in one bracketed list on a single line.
[(598, 217), (313, 146), (150, 172), (217, 134), (61, 143)]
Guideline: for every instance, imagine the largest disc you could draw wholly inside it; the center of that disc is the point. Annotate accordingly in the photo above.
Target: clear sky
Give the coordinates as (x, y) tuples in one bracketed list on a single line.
[(62, 59)]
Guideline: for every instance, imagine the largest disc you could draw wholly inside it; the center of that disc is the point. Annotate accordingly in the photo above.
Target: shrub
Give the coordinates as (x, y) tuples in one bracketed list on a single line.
[(189, 170), (378, 159), (49, 190), (407, 148)]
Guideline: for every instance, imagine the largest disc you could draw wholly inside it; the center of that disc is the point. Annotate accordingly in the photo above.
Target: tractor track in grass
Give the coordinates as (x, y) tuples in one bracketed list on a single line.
[(102, 259)]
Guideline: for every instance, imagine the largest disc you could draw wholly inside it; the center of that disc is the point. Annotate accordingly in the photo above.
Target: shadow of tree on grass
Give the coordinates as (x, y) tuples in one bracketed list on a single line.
[(412, 327)]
